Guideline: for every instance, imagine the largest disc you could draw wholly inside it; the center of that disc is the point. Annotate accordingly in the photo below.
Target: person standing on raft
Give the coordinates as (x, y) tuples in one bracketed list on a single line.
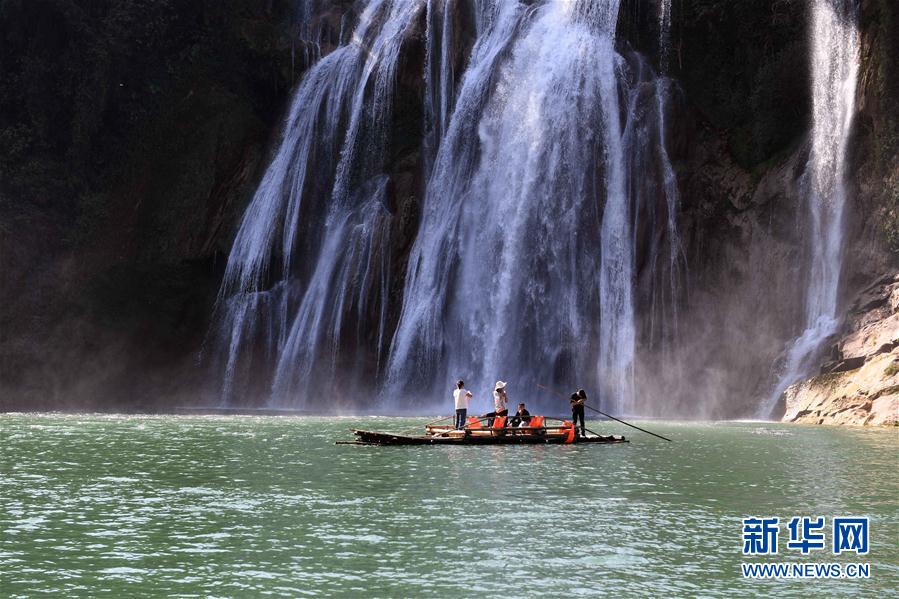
[(500, 401), (578, 400), (461, 397)]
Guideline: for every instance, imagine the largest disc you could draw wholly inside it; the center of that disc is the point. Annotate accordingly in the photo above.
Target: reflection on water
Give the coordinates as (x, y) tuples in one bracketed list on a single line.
[(230, 506)]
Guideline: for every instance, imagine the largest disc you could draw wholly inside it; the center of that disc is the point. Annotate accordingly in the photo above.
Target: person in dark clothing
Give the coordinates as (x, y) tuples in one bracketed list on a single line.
[(521, 418), (578, 400)]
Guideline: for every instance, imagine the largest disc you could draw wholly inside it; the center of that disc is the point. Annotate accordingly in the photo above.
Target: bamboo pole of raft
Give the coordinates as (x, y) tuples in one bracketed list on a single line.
[(440, 420), (432, 423), (466, 427), (508, 429), (608, 415)]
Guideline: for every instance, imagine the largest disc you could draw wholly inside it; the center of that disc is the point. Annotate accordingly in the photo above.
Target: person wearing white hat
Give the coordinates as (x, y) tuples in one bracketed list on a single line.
[(500, 401)]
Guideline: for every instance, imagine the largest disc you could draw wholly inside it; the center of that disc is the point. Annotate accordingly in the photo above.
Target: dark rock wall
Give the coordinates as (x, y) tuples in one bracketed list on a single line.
[(874, 221), (131, 135)]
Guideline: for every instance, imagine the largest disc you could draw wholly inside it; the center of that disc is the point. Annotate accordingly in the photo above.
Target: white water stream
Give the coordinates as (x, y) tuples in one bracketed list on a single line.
[(835, 64), (541, 159)]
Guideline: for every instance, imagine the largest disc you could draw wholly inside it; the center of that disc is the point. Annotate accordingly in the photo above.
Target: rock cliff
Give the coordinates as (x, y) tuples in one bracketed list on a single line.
[(860, 383)]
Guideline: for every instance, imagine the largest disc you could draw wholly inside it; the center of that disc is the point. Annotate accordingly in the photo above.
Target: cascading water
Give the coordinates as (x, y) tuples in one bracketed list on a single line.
[(312, 45), (655, 197), (542, 161), (835, 62), (524, 256), (438, 75), (326, 169), (664, 33), (523, 267), (661, 263)]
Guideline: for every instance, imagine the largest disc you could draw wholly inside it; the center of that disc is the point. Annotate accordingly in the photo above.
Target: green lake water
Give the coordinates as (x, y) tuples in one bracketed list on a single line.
[(230, 506)]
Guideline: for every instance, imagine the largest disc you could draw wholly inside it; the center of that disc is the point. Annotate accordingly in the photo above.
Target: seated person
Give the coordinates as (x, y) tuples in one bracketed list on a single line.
[(521, 418)]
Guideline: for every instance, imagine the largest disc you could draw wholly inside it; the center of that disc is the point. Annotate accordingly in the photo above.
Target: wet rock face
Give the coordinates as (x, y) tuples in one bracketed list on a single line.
[(131, 136), (742, 63), (860, 385)]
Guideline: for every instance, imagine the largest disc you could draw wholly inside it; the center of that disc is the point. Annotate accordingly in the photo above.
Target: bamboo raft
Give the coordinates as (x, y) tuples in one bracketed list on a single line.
[(476, 432)]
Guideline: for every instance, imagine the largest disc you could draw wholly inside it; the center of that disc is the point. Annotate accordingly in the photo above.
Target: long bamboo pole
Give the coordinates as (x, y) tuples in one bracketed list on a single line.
[(440, 420), (608, 415)]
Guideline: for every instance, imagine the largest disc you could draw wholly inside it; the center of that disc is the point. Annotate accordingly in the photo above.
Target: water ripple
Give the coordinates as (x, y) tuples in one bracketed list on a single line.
[(225, 506)]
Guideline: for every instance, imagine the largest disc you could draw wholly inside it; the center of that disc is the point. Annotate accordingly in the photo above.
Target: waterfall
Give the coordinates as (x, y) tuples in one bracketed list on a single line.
[(664, 34), (660, 259), (326, 168), (835, 63), (666, 288), (541, 160), (438, 75), (655, 199), (526, 233)]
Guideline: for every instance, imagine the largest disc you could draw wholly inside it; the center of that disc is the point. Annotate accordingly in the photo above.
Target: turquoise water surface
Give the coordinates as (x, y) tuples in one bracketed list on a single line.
[(242, 506)]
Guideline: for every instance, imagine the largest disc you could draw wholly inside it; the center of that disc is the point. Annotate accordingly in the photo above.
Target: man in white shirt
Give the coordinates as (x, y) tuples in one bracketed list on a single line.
[(461, 397)]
